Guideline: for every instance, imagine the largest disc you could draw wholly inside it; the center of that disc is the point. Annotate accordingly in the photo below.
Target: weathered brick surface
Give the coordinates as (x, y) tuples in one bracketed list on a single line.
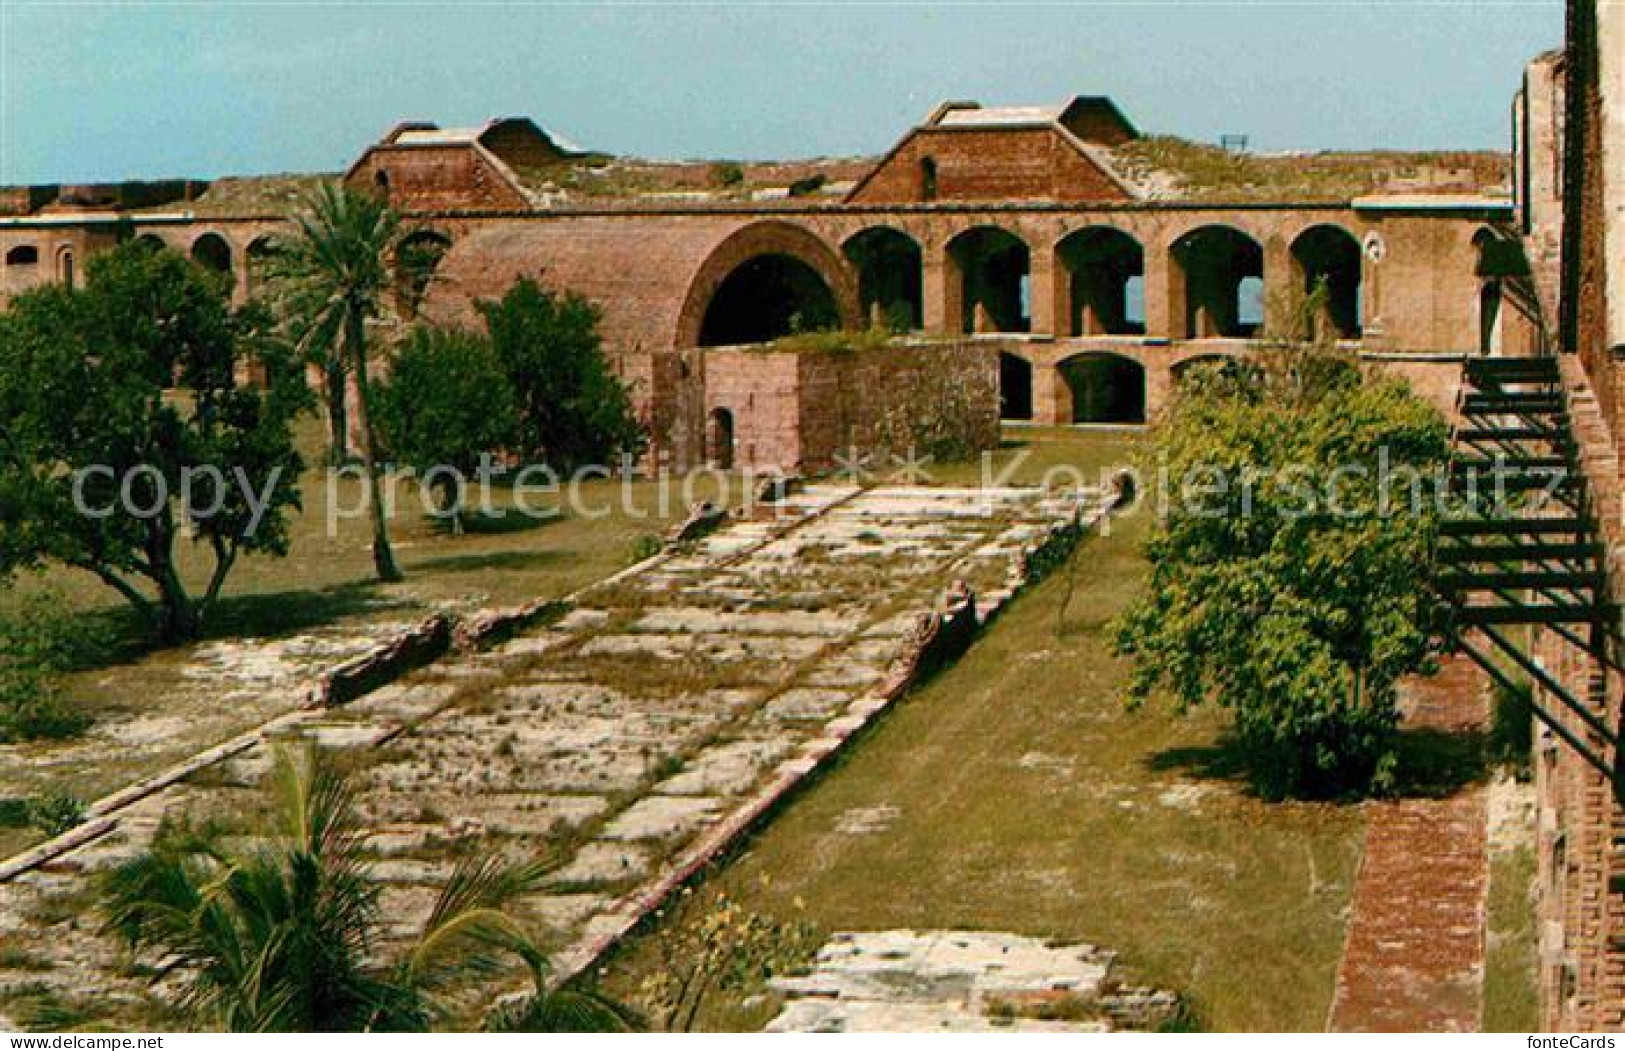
[(1414, 956)]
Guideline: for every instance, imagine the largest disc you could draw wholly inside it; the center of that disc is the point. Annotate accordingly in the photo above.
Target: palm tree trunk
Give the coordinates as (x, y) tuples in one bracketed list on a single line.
[(383, 559), (338, 423)]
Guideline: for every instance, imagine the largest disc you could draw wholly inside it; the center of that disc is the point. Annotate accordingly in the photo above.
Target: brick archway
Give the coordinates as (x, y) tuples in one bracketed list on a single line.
[(767, 239)]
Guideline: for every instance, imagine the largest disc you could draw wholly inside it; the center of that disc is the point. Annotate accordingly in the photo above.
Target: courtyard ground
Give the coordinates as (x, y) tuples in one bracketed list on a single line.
[(1015, 793)]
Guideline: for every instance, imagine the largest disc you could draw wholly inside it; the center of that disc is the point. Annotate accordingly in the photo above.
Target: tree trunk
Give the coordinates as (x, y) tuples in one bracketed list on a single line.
[(383, 559), (338, 414)]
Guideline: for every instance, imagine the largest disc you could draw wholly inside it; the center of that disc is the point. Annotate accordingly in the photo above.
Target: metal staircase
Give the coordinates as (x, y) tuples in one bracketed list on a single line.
[(1522, 548)]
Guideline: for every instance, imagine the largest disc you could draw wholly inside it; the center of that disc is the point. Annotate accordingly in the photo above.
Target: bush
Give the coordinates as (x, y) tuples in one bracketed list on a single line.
[(447, 403), (1512, 729), (726, 175), (573, 409), (1287, 587), (39, 641), (55, 813)]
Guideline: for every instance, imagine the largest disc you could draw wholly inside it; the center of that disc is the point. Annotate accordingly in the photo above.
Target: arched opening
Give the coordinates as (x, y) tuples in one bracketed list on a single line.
[(212, 253), (1015, 387), (889, 278), (1330, 255), (416, 260), (22, 255), (994, 269), (719, 439), (151, 242), (765, 297), (928, 178), (1106, 388), (1222, 270), (65, 269), (1105, 271), (257, 258)]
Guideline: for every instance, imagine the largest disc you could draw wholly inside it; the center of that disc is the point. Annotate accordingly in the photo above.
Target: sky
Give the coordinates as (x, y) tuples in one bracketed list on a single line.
[(96, 92)]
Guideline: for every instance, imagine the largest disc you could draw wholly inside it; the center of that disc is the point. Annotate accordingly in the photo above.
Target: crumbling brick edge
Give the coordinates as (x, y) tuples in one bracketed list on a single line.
[(941, 637)]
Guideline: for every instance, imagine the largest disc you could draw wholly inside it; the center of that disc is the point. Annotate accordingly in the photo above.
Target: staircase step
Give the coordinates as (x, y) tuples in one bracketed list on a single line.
[(1512, 404), (1512, 434), (1497, 580), (1507, 482), (1554, 613), (1516, 527), (1503, 368), (1494, 554), (1512, 463)]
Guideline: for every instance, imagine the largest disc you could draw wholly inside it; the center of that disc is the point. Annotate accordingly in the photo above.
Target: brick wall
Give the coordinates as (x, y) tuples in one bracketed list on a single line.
[(989, 165), (800, 411)]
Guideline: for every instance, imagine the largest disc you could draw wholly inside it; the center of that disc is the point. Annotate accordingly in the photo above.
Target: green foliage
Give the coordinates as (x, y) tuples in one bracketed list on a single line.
[(329, 280), (55, 813), (283, 937), (446, 403), (1289, 574), (134, 377), (717, 947), (573, 409), (1512, 726), (644, 547), (726, 175), (40, 639)]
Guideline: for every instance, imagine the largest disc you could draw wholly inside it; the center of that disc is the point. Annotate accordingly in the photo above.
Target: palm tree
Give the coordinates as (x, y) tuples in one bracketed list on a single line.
[(334, 275), (284, 936)]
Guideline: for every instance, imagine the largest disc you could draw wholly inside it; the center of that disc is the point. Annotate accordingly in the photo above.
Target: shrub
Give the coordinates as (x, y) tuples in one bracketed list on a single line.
[(55, 813), (446, 404), (572, 408), (39, 641), (726, 175), (1512, 727), (1268, 598)]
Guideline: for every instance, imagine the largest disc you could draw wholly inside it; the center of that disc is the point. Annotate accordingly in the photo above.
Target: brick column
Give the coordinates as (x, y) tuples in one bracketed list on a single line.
[(1052, 398), (1280, 273), (1164, 296), (941, 307), (1042, 291)]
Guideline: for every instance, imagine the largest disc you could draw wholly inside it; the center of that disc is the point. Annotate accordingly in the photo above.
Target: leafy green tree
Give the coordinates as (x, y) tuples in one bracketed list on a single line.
[(285, 936), (573, 409), (114, 399), (1288, 577), (446, 404), (331, 278)]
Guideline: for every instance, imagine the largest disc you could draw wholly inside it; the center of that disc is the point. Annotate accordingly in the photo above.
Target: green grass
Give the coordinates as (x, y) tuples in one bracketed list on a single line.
[(1511, 996), (1029, 800)]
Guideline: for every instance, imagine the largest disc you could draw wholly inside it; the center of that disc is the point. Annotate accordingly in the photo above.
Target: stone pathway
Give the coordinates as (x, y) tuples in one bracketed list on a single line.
[(962, 982), (1413, 960), (632, 739)]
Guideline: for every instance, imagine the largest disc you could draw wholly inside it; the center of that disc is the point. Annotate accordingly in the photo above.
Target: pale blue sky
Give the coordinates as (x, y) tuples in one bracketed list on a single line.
[(136, 90)]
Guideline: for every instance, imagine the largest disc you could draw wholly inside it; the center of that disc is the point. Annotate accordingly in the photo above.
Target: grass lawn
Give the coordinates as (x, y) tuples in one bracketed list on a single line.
[(1021, 796), (1511, 996)]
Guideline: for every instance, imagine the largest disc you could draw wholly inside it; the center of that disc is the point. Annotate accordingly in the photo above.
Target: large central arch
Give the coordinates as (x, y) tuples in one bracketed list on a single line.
[(1216, 265), (763, 281)]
